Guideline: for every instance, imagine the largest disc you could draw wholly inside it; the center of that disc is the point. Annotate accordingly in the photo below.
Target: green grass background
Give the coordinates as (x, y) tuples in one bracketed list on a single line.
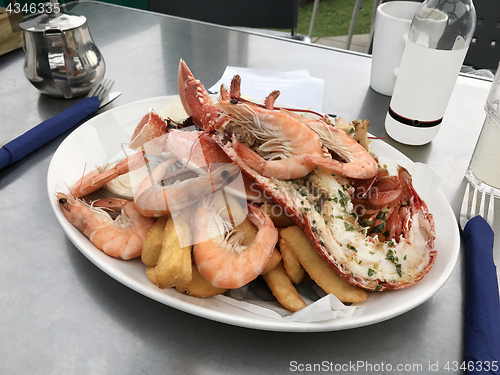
[(334, 17)]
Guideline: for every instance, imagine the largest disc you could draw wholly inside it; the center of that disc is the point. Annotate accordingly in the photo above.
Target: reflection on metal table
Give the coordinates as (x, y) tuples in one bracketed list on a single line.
[(61, 314)]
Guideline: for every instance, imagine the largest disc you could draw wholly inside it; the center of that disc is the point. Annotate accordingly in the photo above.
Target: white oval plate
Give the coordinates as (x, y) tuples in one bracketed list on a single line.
[(99, 140)]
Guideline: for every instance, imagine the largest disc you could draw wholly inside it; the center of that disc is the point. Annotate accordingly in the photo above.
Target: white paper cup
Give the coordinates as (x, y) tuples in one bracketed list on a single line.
[(392, 24)]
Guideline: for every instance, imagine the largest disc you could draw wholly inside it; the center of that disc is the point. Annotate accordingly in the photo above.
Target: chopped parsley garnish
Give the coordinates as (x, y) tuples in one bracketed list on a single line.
[(371, 272), (379, 228), (344, 199), (348, 227), (390, 256), (398, 270), (367, 223), (381, 215), (349, 246)]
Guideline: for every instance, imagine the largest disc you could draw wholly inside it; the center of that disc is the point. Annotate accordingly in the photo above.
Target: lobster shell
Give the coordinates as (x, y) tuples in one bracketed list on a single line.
[(304, 221)]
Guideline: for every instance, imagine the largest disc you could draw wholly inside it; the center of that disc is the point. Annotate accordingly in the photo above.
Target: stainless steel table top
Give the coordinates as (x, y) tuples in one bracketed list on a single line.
[(62, 315)]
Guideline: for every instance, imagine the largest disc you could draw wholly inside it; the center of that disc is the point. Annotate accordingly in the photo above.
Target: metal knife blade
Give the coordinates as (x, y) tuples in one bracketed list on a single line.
[(109, 98)]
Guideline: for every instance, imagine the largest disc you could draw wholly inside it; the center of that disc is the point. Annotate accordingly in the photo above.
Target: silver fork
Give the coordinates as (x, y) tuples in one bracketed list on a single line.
[(466, 214), (102, 89)]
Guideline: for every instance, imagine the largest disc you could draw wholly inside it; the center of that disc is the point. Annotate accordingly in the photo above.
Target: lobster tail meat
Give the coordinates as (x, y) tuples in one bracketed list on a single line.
[(321, 205)]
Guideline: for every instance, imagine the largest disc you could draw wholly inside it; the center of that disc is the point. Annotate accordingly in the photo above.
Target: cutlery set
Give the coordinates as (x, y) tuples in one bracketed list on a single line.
[(51, 128), (482, 320)]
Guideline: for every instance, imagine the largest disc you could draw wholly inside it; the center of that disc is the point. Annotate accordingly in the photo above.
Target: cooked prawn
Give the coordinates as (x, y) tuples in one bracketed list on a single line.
[(154, 198), (101, 176), (196, 151), (120, 238), (283, 140), (221, 259), (359, 163)]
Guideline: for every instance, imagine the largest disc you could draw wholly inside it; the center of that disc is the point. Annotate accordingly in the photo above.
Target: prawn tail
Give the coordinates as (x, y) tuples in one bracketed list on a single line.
[(267, 236), (250, 157), (257, 216), (96, 179), (331, 165), (354, 169)]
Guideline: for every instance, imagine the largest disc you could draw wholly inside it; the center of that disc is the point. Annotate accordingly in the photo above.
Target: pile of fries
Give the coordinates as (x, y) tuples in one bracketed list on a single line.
[(293, 261)]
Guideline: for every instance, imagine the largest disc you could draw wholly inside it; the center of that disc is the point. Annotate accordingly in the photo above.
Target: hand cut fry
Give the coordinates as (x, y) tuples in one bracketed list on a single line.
[(250, 233), (174, 263), (282, 288), (277, 215), (199, 287), (152, 245), (318, 269), (292, 266), (273, 262), (151, 273)]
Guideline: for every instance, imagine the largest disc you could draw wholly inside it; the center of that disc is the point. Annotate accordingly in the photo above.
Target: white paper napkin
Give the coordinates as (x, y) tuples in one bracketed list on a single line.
[(297, 88), (327, 307)]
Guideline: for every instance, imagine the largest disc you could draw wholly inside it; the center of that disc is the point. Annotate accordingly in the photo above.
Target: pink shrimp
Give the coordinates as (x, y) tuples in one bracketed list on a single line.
[(197, 151), (358, 162), (100, 176), (257, 131), (221, 259), (283, 140), (120, 238), (154, 197)]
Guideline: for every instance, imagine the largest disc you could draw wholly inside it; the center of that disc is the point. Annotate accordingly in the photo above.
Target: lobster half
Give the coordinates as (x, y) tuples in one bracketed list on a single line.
[(380, 239)]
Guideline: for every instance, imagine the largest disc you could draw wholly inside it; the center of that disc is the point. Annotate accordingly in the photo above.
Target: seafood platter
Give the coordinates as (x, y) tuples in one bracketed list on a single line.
[(251, 213)]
